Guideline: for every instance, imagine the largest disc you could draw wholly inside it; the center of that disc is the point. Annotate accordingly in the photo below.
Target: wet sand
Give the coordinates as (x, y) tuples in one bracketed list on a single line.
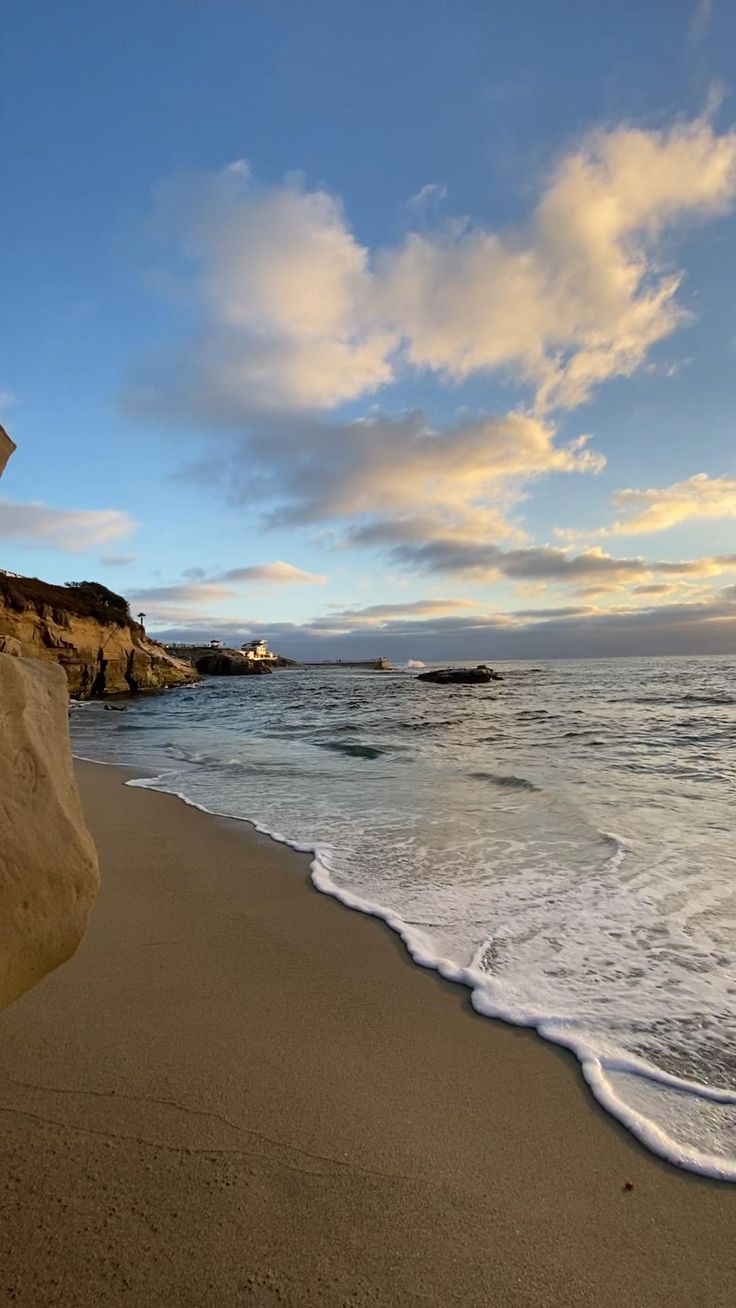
[(240, 1092)]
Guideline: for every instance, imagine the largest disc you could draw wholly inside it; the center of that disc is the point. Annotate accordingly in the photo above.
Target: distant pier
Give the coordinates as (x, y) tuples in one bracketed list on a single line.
[(374, 665)]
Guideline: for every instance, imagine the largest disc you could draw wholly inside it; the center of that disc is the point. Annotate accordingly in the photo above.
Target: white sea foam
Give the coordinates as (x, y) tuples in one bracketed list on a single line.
[(619, 948)]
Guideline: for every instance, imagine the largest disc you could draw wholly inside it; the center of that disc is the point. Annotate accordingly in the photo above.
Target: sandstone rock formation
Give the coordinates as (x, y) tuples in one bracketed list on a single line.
[(48, 864), (100, 647)]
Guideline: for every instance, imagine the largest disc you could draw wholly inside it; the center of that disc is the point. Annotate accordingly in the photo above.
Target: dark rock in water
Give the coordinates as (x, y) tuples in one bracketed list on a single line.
[(461, 676), (218, 663)]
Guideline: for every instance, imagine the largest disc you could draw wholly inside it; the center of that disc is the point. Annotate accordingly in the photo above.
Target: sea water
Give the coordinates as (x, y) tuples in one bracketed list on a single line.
[(561, 841)]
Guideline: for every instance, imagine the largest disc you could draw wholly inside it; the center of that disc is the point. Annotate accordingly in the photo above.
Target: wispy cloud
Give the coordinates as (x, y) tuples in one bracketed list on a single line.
[(205, 593), (590, 572), (376, 615), (700, 21), (660, 508), (117, 560), (385, 472), (74, 530), (194, 598), (426, 200), (274, 574)]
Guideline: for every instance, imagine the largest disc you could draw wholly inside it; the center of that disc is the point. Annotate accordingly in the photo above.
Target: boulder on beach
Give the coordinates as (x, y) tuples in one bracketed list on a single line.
[(48, 865), (477, 676)]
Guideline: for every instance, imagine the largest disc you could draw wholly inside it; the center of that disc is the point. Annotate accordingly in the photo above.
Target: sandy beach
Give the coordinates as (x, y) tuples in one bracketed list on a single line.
[(240, 1092)]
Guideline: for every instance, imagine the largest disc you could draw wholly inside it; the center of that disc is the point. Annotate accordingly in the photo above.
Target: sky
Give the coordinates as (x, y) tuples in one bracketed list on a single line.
[(376, 327)]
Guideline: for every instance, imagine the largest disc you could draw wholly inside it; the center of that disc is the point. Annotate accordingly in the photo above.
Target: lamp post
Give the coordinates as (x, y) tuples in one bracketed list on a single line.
[(141, 616)]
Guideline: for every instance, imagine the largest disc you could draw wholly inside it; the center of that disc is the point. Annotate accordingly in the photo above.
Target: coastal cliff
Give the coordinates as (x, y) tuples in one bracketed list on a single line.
[(48, 863), (90, 633)]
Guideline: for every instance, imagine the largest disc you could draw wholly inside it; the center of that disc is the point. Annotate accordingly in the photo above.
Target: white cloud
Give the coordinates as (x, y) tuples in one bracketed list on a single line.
[(400, 472), (182, 603), (427, 199), (205, 592), (275, 574), (577, 297), (300, 315), (591, 572), (74, 530), (660, 508), (376, 615), (191, 599), (697, 567), (286, 291), (700, 496)]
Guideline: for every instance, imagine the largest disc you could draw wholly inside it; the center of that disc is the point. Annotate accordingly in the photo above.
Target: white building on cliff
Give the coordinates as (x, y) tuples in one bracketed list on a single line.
[(258, 649)]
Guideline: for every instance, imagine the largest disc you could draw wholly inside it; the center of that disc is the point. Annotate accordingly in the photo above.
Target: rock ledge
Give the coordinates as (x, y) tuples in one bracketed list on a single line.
[(477, 676)]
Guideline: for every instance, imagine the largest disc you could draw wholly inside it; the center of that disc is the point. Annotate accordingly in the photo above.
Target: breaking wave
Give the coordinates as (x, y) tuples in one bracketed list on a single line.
[(621, 948)]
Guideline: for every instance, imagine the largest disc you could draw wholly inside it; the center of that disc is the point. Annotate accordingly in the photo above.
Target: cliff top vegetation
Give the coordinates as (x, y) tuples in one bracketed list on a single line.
[(80, 599)]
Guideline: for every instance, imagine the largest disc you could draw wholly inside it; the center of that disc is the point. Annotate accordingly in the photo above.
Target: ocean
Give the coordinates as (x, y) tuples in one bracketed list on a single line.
[(561, 842)]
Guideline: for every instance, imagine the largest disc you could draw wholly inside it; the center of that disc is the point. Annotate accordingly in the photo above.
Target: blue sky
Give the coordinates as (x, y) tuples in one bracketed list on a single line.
[(308, 307)]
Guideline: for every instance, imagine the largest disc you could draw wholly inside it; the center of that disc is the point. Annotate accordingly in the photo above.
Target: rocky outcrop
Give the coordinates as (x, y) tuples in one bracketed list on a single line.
[(229, 663), (102, 650), (461, 676), (193, 654), (48, 864)]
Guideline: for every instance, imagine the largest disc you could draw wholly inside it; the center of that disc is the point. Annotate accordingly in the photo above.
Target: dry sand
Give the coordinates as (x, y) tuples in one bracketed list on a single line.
[(239, 1092)]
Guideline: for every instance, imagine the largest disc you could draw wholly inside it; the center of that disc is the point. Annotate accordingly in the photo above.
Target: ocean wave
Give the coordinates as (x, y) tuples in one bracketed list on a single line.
[(507, 782), (675, 701), (601, 1072), (619, 948), (352, 749), (715, 700)]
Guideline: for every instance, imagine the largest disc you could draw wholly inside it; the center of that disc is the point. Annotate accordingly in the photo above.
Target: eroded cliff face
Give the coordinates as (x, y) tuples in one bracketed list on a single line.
[(48, 864), (101, 654)]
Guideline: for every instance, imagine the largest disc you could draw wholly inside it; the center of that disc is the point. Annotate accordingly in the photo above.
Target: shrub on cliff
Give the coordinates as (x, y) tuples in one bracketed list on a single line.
[(81, 599), (97, 594)]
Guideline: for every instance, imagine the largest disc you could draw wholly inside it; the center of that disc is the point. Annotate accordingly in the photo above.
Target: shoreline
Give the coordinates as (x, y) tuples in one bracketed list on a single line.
[(594, 1072), (259, 1097)]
